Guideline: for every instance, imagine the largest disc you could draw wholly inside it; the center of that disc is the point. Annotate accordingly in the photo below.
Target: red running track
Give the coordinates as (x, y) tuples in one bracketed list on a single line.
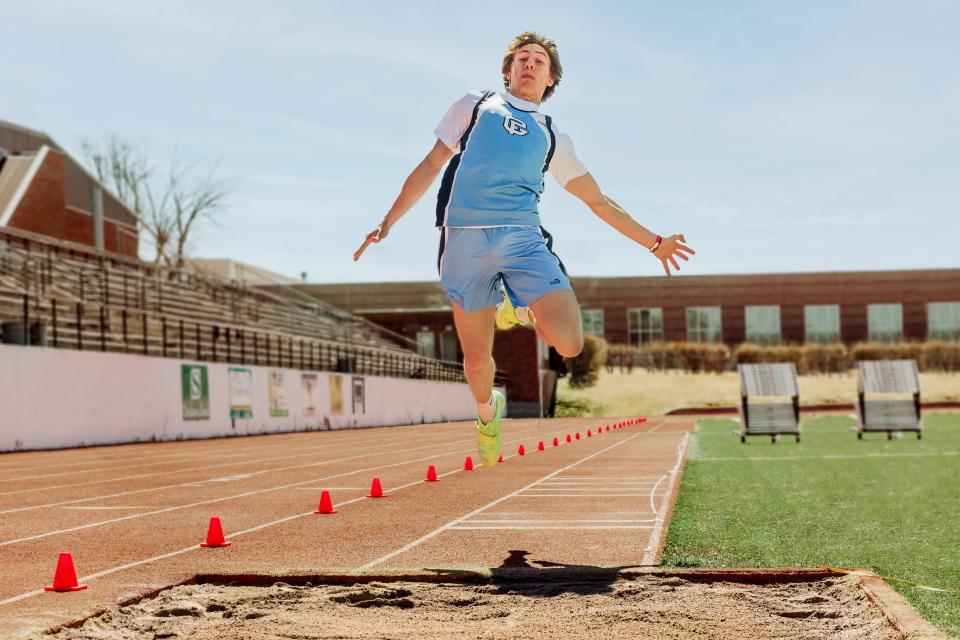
[(133, 515)]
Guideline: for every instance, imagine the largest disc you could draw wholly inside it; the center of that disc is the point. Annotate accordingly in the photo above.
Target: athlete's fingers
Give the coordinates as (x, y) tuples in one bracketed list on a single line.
[(683, 247), (369, 239), (681, 255), (674, 263), (682, 239), (663, 261)]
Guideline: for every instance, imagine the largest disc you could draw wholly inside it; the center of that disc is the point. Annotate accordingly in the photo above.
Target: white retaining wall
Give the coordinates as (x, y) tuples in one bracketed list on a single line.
[(54, 398)]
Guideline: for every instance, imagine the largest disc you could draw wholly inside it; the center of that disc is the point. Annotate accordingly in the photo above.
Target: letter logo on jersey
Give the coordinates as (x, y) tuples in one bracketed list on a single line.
[(514, 127)]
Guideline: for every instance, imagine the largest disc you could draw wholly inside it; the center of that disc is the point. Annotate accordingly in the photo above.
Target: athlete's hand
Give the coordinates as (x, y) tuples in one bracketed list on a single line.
[(672, 248), (374, 236)]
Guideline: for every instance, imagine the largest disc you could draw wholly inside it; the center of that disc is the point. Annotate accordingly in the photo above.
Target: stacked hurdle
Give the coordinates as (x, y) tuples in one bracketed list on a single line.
[(65, 578)]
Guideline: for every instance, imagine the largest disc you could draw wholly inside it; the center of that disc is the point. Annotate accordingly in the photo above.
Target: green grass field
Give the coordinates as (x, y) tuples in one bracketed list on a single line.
[(889, 506)]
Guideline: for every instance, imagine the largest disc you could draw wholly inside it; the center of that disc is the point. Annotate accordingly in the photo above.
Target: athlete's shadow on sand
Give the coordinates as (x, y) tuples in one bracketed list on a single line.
[(543, 578)]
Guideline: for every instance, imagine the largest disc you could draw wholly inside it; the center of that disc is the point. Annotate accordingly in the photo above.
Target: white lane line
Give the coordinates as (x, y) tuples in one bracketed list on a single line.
[(199, 483), (475, 512), (104, 508), (597, 484), (623, 520), (319, 450), (588, 527), (650, 478), (581, 495), (236, 534), (187, 456), (246, 494), (650, 553)]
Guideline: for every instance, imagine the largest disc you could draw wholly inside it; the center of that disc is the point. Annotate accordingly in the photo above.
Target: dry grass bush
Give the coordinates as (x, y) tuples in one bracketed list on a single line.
[(585, 367), (624, 356), (813, 358)]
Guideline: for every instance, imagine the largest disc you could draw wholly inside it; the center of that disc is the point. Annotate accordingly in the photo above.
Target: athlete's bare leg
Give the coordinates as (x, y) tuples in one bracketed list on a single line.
[(475, 330), (558, 322)]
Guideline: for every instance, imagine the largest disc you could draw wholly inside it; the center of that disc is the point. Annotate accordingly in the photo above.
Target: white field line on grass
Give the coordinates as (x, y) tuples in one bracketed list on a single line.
[(247, 494), (650, 553), (834, 456), (235, 534), (458, 521), (387, 448), (314, 450)]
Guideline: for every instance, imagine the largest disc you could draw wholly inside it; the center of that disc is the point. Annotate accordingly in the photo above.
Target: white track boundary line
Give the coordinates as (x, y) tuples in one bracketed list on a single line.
[(313, 451), (833, 456), (236, 534), (386, 448), (523, 528), (650, 552), (247, 494), (475, 512)]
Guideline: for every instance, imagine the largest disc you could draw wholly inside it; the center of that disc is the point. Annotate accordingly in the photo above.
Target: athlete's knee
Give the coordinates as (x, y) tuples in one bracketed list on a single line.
[(570, 346), (477, 364)]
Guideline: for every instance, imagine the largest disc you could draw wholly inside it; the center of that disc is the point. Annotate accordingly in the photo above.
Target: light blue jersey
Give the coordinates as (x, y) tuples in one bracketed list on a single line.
[(504, 147)]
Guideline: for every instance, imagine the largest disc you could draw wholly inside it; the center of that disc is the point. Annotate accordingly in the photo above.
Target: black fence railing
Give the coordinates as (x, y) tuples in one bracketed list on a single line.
[(93, 327)]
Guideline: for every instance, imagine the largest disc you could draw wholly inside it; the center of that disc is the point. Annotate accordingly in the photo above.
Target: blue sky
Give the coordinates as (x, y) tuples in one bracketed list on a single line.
[(778, 136)]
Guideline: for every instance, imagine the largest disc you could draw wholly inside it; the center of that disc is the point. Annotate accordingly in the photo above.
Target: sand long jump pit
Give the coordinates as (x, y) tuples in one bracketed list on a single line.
[(519, 603)]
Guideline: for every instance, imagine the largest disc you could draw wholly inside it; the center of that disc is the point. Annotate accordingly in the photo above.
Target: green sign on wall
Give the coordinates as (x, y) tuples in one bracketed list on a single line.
[(196, 392)]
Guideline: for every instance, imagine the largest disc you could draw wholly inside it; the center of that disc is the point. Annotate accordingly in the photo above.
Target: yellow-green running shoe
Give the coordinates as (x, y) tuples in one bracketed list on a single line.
[(507, 316), (488, 435)]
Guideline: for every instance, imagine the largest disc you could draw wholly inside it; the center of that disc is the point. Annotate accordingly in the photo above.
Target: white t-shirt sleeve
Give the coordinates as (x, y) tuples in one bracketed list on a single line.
[(565, 165), (456, 120)]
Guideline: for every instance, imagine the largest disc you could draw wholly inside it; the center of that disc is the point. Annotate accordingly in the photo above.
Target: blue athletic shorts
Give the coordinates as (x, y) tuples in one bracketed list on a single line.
[(473, 262)]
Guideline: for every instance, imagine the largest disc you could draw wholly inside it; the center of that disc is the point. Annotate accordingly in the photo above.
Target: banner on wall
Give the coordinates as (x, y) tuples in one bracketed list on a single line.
[(196, 392), (278, 395), (336, 394), (359, 396), (241, 396), (308, 393)]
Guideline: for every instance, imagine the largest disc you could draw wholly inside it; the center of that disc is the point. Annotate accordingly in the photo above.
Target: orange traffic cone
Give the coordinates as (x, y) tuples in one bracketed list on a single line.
[(468, 464), (578, 435), (376, 491), (326, 504), (521, 451), (589, 433), (431, 474), (500, 459), (65, 579), (556, 442), (215, 535), (540, 446), (569, 439)]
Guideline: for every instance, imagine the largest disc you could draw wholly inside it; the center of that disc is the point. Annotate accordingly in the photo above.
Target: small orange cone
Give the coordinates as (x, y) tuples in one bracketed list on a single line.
[(500, 459), (468, 464), (65, 579), (431, 474), (578, 435), (540, 446), (376, 491), (569, 439), (326, 504), (608, 427), (589, 433), (521, 451), (556, 442), (215, 535)]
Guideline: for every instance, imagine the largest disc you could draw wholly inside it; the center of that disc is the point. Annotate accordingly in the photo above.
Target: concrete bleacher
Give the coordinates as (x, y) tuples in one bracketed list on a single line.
[(121, 304)]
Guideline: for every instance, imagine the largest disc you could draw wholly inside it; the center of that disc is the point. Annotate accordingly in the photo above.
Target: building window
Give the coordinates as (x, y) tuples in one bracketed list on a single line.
[(703, 324), (644, 326), (943, 320), (425, 345), (885, 322), (763, 324), (821, 323), (592, 320)]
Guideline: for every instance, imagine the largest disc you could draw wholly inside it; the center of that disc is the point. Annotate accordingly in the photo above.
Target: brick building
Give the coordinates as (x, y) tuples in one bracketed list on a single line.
[(44, 190)]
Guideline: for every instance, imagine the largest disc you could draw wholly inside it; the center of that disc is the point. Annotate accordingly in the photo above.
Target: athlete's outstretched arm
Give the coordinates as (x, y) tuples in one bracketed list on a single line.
[(413, 189), (587, 189)]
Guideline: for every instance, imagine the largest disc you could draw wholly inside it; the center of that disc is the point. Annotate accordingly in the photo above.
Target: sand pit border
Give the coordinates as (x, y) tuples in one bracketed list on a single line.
[(898, 612)]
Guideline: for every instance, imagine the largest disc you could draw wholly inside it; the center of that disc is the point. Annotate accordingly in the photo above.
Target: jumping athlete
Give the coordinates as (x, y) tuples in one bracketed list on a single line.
[(496, 261)]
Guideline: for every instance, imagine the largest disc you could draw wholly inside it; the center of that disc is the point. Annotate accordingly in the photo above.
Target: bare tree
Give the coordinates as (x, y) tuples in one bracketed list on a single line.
[(168, 205)]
